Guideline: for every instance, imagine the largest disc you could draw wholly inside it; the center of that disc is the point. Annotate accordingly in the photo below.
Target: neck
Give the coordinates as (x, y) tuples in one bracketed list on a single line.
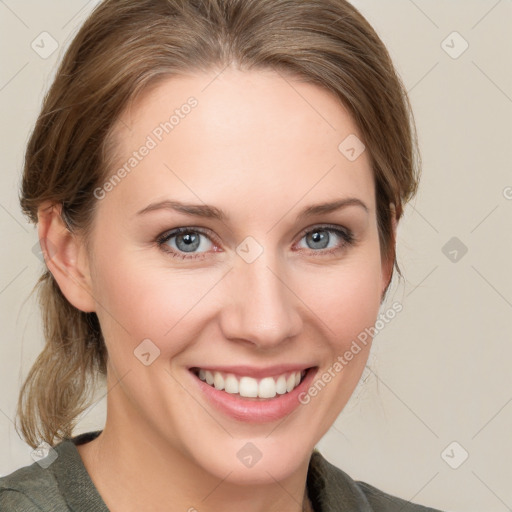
[(136, 470)]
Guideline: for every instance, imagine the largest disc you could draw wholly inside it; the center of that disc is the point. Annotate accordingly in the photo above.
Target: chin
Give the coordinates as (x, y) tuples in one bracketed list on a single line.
[(254, 460)]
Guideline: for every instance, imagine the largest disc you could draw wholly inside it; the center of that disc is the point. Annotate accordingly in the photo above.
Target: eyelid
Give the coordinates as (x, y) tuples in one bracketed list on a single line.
[(176, 231), (334, 227)]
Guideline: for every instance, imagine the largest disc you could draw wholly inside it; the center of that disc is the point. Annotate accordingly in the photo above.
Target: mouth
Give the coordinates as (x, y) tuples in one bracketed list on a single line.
[(249, 387), (251, 395)]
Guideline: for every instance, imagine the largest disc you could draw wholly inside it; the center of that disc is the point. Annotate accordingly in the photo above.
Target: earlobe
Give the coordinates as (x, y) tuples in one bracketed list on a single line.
[(65, 257)]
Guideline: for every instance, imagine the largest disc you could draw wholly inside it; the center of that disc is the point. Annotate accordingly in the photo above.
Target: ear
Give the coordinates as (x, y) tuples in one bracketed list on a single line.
[(65, 257), (388, 260)]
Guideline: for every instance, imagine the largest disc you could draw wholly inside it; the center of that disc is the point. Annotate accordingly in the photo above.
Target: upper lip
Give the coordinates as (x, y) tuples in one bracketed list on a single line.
[(255, 372)]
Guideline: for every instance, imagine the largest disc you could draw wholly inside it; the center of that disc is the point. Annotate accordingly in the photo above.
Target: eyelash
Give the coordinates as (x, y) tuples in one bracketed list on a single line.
[(345, 234)]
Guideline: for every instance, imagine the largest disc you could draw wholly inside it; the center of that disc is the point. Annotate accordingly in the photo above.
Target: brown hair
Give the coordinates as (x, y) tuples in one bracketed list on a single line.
[(124, 47)]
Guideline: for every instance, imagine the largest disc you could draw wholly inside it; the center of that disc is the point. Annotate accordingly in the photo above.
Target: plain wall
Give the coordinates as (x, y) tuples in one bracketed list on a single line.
[(439, 371)]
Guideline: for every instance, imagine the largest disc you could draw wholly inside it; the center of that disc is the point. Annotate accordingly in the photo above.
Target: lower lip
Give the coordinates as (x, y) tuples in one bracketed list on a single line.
[(251, 410)]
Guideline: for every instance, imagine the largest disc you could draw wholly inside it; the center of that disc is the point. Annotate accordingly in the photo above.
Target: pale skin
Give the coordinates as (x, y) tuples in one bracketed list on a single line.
[(262, 151)]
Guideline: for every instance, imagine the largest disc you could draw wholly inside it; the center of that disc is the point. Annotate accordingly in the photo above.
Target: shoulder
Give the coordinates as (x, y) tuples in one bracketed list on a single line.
[(48, 485), (27, 489), (16, 501), (332, 489), (383, 502)]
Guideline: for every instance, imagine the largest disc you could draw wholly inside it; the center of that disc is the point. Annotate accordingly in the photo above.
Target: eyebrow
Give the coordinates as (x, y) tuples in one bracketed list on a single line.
[(212, 212)]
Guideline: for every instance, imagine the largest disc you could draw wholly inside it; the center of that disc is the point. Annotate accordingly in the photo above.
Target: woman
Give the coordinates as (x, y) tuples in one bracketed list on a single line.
[(217, 186)]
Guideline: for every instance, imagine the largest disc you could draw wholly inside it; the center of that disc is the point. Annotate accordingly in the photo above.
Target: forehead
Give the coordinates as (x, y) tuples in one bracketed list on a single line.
[(253, 133)]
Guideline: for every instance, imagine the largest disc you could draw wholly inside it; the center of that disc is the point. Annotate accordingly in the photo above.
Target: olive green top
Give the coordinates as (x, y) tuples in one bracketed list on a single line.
[(62, 484)]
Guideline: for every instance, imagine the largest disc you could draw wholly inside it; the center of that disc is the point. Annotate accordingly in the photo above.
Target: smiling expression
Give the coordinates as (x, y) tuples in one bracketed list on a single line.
[(274, 272)]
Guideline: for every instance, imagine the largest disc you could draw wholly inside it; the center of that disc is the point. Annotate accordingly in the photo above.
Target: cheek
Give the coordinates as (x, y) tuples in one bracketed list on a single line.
[(139, 298), (346, 299)]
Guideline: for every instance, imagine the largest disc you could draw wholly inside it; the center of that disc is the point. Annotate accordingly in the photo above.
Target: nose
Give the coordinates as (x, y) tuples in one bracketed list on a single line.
[(261, 306)]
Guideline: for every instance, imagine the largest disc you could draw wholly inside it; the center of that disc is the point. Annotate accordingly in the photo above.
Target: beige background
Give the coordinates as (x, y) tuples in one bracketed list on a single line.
[(440, 371)]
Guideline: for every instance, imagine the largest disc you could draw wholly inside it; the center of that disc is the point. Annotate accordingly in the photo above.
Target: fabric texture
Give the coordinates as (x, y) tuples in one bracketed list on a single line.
[(65, 485)]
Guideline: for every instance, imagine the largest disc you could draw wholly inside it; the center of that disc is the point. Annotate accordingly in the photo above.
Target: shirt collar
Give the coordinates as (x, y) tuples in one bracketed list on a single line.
[(74, 481), (330, 489)]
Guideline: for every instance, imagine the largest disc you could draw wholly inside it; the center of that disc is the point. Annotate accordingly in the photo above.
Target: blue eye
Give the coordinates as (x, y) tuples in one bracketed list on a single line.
[(193, 243), (183, 241), (321, 237)]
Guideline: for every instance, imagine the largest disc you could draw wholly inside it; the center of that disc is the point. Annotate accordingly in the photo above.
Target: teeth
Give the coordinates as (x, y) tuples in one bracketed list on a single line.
[(290, 382), (281, 385), (218, 381), (248, 387), (267, 387), (231, 384), (208, 377)]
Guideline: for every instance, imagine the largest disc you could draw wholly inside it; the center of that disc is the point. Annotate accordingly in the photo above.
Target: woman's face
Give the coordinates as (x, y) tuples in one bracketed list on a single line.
[(263, 283)]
